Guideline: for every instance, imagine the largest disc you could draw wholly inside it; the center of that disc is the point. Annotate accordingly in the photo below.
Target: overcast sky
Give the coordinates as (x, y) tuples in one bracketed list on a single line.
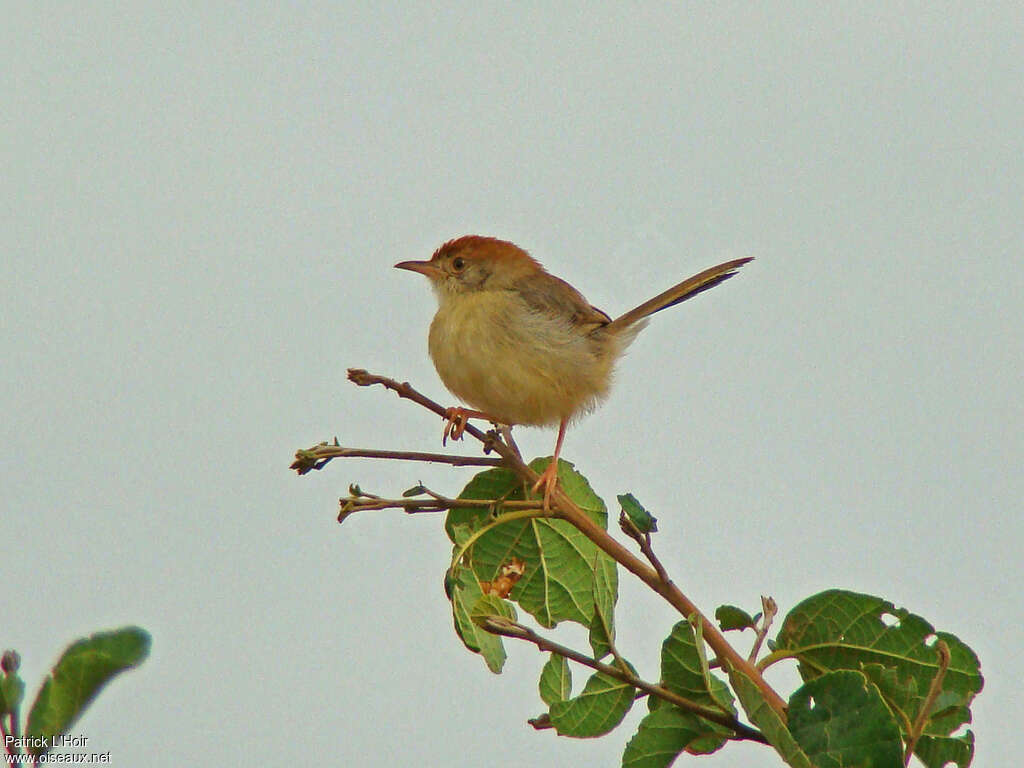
[(202, 206)]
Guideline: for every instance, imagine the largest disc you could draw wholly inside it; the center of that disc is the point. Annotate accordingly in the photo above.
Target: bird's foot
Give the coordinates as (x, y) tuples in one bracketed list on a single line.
[(456, 420), (548, 481)]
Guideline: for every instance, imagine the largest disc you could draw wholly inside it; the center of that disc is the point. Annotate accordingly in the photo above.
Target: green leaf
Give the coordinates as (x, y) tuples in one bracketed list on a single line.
[(82, 671), (597, 710), (729, 618), (640, 517), (768, 720), (555, 680), (839, 719), (465, 597), (561, 562), (491, 605), (663, 735), (606, 592), (894, 648), (684, 672), (940, 751), (12, 691)]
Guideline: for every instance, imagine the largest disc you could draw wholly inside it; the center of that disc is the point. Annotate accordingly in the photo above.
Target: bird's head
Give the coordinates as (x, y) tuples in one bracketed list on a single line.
[(474, 263)]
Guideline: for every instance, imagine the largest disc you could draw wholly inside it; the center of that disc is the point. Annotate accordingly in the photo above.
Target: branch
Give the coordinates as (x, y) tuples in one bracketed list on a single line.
[(499, 625), (317, 456), (489, 440), (360, 501), (643, 540), (598, 535), (768, 610)]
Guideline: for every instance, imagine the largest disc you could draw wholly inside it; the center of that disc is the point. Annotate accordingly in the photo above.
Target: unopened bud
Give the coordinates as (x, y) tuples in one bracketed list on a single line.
[(10, 662)]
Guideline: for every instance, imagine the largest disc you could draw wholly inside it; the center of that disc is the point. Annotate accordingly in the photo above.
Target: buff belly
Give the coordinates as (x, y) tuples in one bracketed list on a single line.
[(537, 370)]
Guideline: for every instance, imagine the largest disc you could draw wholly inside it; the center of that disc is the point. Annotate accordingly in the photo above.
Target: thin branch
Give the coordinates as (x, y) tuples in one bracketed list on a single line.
[(769, 608), (360, 501), (643, 540), (317, 456), (490, 440), (942, 650), (598, 535), (506, 434), (500, 625)]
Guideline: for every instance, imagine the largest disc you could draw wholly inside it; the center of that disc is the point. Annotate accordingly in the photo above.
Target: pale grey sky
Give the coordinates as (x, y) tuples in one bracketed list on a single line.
[(203, 203)]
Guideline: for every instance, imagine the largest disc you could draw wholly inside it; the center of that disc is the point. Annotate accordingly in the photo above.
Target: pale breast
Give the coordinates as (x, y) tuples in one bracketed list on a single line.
[(519, 365)]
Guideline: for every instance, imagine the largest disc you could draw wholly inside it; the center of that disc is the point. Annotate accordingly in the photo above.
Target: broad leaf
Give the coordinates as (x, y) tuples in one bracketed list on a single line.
[(606, 591), (597, 710), (82, 671), (768, 721), (664, 734), (894, 648), (839, 719), (467, 601), (555, 680), (561, 562), (730, 618), (941, 751), (683, 672)]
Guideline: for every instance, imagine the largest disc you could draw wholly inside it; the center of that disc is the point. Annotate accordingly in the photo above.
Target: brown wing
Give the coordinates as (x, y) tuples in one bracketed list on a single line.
[(555, 297)]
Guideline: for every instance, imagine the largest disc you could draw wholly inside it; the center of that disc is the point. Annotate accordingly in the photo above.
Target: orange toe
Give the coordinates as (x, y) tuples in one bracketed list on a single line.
[(548, 481)]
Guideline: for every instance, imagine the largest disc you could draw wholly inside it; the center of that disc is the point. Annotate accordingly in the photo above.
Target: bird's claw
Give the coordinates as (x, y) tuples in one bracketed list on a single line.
[(548, 481), (457, 419)]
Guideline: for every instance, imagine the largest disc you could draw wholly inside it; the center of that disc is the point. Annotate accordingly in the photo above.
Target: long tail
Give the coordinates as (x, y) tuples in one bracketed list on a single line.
[(690, 287)]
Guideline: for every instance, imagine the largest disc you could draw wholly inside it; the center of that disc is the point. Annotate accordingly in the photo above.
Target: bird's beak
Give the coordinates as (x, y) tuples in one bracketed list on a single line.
[(427, 268)]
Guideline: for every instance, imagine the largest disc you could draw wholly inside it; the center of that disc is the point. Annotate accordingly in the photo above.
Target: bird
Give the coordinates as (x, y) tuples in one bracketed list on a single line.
[(521, 346)]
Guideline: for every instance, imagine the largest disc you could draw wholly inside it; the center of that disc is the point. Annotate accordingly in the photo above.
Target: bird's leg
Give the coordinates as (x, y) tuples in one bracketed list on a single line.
[(549, 478), (456, 420)]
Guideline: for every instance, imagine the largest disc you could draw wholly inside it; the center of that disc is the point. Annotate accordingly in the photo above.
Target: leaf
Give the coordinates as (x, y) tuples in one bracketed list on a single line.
[(81, 673), (839, 719), (940, 751), (12, 691), (490, 605), (606, 592), (768, 720), (644, 521), (894, 648), (683, 672), (729, 618), (560, 561), (596, 711), (466, 594), (555, 680), (663, 735)]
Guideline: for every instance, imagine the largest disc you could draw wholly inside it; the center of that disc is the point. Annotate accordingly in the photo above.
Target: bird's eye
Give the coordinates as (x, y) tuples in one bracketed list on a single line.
[(458, 263)]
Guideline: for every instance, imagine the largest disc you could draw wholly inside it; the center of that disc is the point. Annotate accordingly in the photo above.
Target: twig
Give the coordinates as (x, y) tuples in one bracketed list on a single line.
[(598, 535), (404, 389), (363, 502), (768, 610), (942, 650), (317, 456), (644, 541), (506, 434), (500, 625)]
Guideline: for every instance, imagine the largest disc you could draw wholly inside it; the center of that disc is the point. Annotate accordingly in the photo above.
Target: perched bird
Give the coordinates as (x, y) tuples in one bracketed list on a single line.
[(522, 346)]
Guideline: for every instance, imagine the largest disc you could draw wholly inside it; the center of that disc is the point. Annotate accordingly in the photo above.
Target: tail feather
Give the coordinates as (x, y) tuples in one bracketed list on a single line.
[(689, 288)]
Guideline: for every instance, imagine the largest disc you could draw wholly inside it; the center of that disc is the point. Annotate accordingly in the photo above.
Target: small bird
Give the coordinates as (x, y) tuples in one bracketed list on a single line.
[(522, 346)]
